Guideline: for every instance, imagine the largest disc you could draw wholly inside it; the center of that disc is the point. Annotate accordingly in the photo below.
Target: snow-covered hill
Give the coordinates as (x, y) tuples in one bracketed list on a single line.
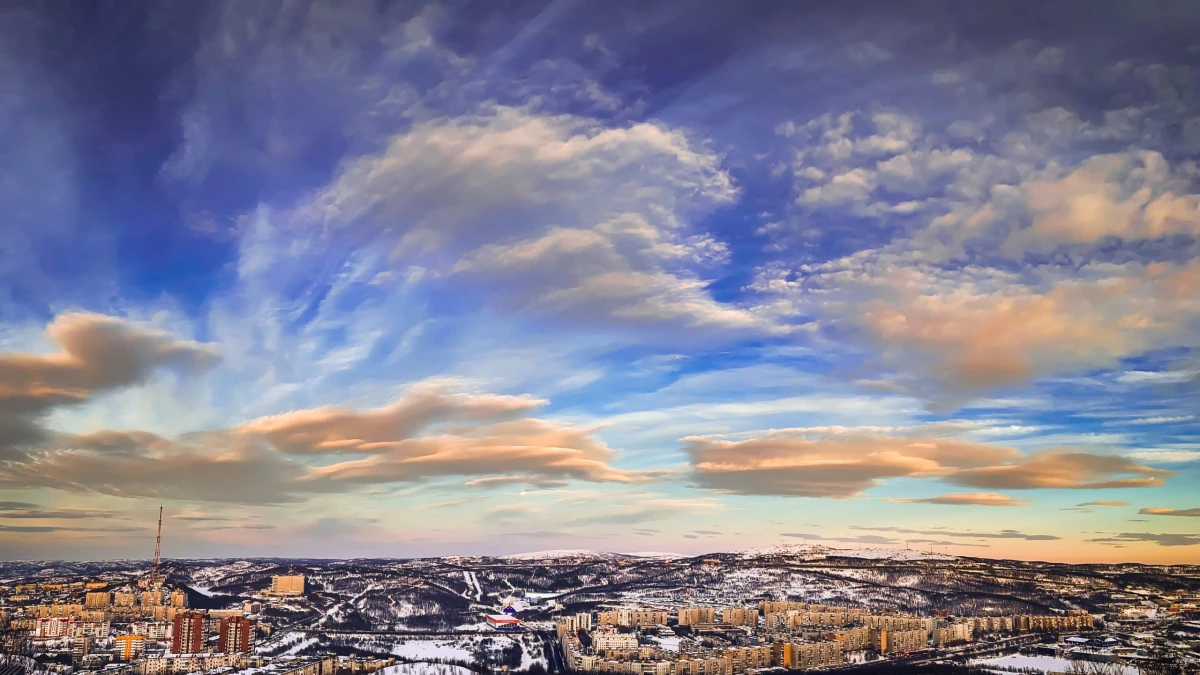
[(559, 554)]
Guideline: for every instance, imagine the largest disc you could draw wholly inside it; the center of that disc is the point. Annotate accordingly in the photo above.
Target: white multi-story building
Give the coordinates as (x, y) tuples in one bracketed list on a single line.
[(52, 627)]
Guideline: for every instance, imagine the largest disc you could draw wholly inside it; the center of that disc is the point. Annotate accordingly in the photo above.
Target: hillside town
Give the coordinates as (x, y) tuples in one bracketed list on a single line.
[(132, 623)]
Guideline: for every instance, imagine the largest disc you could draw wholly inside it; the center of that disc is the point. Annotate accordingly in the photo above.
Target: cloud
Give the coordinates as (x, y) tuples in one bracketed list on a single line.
[(843, 463), (23, 510), (524, 447), (1165, 456), (1160, 539), (1187, 513), (262, 462), (547, 214), (939, 532), (1104, 502), (826, 466), (1062, 470), (1128, 196), (96, 354), (968, 499), (339, 431)]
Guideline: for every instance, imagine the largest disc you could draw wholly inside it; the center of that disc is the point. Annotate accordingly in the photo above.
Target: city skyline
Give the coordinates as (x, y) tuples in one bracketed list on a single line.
[(414, 280)]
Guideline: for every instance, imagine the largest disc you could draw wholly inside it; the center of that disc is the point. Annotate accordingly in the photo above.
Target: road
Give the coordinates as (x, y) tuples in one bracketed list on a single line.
[(554, 656)]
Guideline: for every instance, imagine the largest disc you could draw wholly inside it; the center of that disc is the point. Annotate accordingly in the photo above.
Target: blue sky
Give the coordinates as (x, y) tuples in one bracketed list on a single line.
[(411, 279)]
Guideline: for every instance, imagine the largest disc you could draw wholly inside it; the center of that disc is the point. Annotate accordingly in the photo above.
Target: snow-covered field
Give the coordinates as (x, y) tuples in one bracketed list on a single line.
[(670, 644), (453, 650), (425, 669), (1046, 664)]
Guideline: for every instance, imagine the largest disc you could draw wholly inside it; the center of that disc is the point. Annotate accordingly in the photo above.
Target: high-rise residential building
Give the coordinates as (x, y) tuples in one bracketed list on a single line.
[(80, 647), (287, 584), (130, 647), (152, 598), (740, 616), (53, 627), (154, 631), (97, 600), (236, 635), (694, 615), (178, 598), (188, 636), (632, 617)]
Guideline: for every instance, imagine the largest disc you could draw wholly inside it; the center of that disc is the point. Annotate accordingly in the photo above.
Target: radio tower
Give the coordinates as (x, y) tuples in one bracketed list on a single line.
[(154, 580)]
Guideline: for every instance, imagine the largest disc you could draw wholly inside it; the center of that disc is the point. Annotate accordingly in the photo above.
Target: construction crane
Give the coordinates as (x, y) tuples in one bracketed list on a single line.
[(154, 579)]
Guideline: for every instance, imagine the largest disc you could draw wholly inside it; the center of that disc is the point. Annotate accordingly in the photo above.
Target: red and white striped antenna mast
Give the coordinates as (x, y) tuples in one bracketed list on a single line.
[(157, 548)]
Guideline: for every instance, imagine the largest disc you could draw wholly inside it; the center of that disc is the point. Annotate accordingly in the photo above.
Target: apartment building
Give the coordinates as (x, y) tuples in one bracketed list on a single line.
[(771, 607), (91, 629), (854, 639), (130, 647), (744, 658), (52, 627), (58, 610), (954, 633), (98, 600), (604, 641), (235, 635), (187, 636), (991, 624), (898, 641), (155, 631), (573, 624), (693, 615), (740, 616), (287, 584), (805, 655), (195, 663), (632, 617)]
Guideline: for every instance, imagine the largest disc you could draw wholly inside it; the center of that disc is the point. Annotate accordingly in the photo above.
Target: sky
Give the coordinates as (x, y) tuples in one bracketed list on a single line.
[(397, 279)]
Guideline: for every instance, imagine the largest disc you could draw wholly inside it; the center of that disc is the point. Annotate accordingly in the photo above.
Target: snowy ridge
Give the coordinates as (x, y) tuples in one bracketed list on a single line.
[(560, 553), (810, 551), (819, 551)]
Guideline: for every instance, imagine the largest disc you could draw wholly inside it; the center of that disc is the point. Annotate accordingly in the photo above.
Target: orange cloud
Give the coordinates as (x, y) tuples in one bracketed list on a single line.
[(257, 463), (1129, 196), (530, 449), (969, 499), (844, 465), (838, 467), (968, 339), (97, 353), (337, 430), (1069, 470), (1186, 513)]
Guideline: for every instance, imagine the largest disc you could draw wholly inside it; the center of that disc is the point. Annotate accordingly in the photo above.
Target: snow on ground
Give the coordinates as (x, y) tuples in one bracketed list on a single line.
[(888, 554), (302, 644), (1046, 664), (818, 551), (432, 649), (557, 553), (670, 644), (425, 669)]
